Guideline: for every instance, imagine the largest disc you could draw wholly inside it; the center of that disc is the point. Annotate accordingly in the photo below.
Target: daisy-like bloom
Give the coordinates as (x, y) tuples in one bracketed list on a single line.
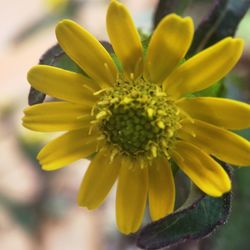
[(136, 121)]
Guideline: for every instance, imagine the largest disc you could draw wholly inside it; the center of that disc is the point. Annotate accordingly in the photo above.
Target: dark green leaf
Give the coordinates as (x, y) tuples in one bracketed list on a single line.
[(55, 56), (165, 7), (35, 96), (107, 46), (197, 218), (222, 21)]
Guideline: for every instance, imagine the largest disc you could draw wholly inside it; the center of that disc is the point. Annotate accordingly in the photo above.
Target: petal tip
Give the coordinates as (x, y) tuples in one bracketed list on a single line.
[(127, 230), (47, 168), (64, 22), (189, 21), (80, 201), (62, 25), (115, 3), (115, 7), (239, 43), (31, 73)]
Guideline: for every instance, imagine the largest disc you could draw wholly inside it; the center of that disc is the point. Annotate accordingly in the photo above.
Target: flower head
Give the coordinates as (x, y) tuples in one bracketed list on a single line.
[(139, 119)]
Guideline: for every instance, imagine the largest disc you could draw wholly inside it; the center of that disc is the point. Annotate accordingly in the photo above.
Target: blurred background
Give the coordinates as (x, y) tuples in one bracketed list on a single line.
[(38, 210)]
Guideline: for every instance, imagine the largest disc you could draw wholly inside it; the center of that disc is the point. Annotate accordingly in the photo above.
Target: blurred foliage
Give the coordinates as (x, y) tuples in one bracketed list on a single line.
[(166, 7), (222, 21), (57, 10)]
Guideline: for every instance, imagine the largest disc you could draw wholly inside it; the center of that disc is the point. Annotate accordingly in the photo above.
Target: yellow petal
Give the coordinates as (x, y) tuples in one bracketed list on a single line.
[(205, 68), (205, 172), (56, 116), (86, 51), (131, 197), (67, 148), (219, 142), (218, 111), (61, 84), (168, 45), (98, 180), (125, 39), (161, 189)]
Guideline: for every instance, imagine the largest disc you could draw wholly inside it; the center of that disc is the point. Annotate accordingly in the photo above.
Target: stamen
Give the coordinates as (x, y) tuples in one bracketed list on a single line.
[(101, 137), (170, 132), (87, 87), (186, 115), (137, 120), (103, 103), (166, 153), (114, 100), (160, 124), (154, 151), (180, 100), (150, 113), (113, 154), (101, 115), (100, 91), (109, 73), (126, 100), (177, 155), (93, 110), (138, 65), (83, 117), (90, 129), (141, 163), (94, 122), (190, 132)]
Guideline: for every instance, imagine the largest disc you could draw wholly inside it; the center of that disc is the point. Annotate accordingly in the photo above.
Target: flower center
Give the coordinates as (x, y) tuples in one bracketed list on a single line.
[(138, 118)]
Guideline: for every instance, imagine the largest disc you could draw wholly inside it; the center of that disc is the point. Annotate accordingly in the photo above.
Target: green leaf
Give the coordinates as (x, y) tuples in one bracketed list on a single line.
[(166, 7), (216, 90), (197, 218), (222, 21)]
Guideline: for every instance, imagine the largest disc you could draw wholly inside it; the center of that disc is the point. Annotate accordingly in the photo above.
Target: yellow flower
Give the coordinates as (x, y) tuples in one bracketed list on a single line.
[(137, 120)]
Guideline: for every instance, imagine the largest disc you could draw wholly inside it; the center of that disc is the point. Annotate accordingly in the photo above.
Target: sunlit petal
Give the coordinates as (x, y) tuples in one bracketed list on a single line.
[(219, 142), (98, 180), (205, 68), (125, 39), (161, 189), (61, 84), (67, 148), (131, 197), (168, 45), (221, 112), (205, 172), (56, 116), (86, 51)]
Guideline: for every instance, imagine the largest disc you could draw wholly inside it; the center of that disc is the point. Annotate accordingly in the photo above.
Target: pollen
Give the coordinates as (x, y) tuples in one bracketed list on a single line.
[(138, 119)]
